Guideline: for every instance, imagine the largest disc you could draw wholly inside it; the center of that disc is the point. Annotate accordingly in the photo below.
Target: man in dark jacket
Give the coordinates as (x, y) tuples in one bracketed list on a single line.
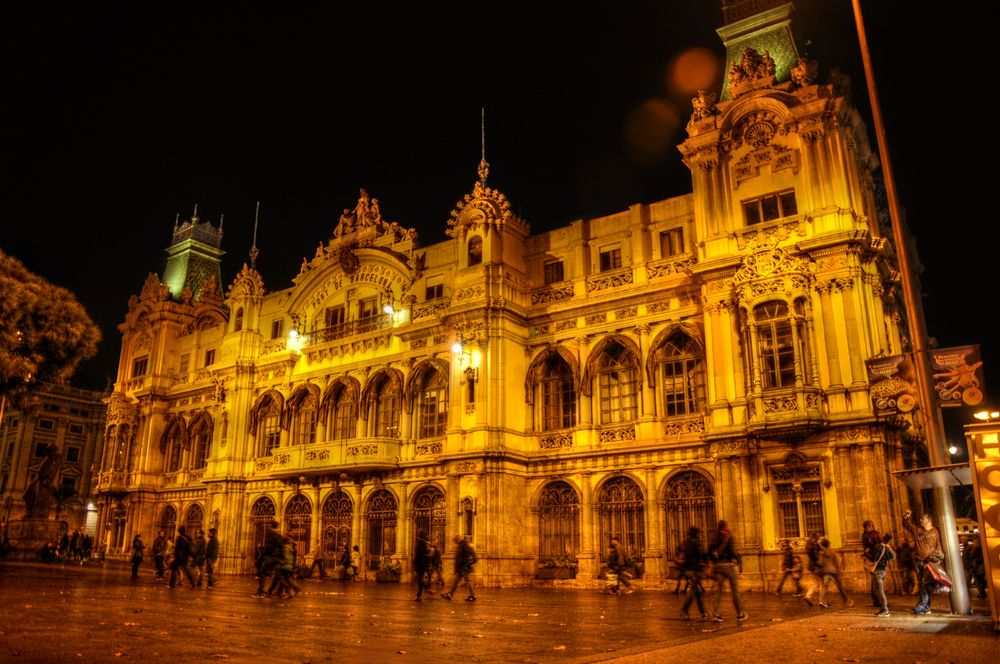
[(788, 568), (182, 555), (619, 563), (421, 563), (465, 558), (728, 565), (692, 562), (271, 555), (159, 551), (878, 556), (198, 546), (927, 550)]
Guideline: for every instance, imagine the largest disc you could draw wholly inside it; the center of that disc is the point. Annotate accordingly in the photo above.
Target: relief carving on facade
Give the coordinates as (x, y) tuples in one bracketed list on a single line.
[(247, 284), (603, 282), (684, 427), (317, 455), (703, 105), (670, 266), (365, 449), (630, 312), (755, 238), (804, 73), (752, 67), (569, 324), (428, 449), (595, 319), (555, 294), (617, 434), (555, 441)]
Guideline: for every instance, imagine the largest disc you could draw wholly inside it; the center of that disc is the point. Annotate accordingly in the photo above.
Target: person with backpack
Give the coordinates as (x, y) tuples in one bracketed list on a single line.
[(465, 558), (877, 554)]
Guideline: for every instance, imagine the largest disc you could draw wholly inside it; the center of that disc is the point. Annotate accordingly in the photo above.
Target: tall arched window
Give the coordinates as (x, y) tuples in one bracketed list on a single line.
[(344, 413), (298, 523), (382, 507), (305, 410), (621, 513), (618, 382), (194, 519), (168, 521), (238, 320), (681, 370), (201, 441), (335, 524), (775, 344), (558, 522), (174, 449), (429, 515), (433, 405), (688, 500), (268, 427), (387, 406), (475, 250), (558, 395), (110, 448)]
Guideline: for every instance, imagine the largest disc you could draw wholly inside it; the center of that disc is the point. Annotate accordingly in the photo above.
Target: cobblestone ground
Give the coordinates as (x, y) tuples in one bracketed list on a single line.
[(97, 614)]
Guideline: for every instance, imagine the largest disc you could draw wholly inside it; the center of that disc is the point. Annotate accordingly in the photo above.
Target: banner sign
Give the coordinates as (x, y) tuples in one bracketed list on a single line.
[(958, 375), (893, 384)]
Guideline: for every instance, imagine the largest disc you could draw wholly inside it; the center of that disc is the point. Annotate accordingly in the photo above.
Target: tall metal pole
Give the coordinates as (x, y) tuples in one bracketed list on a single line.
[(933, 424)]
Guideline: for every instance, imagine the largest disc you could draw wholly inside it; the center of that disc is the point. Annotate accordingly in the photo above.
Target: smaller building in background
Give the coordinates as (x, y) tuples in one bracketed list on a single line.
[(72, 419)]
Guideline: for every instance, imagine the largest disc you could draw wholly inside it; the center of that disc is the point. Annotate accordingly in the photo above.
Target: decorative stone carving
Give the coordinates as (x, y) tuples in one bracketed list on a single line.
[(804, 73), (617, 434), (630, 312), (569, 324), (671, 266), (247, 284), (552, 294), (595, 319), (606, 281), (753, 66), (366, 449), (430, 448), (555, 441), (704, 105), (683, 427), (317, 455)]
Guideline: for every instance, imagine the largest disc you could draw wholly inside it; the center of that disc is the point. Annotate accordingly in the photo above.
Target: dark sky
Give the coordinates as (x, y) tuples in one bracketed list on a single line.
[(113, 121)]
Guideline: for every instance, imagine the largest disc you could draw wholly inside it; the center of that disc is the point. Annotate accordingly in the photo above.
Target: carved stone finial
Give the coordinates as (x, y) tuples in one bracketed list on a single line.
[(753, 66), (704, 105), (804, 73)]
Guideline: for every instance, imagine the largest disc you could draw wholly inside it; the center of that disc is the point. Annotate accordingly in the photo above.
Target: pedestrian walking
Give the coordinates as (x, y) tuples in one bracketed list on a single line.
[(977, 565), (355, 562), (159, 553), (815, 571), (788, 568), (198, 546), (421, 563), (679, 573), (435, 575), (137, 550), (693, 561), (271, 555), (317, 561), (926, 551), (619, 563), (909, 584), (211, 556), (284, 572), (831, 565), (465, 559), (728, 566), (181, 558)]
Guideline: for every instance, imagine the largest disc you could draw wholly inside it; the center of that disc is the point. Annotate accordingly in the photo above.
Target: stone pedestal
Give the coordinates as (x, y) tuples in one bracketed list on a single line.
[(28, 536)]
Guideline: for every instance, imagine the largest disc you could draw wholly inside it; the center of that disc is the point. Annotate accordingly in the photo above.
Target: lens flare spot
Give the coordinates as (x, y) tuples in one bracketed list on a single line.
[(650, 129), (694, 69)]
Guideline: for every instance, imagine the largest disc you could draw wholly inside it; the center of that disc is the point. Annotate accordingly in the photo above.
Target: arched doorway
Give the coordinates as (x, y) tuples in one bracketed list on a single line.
[(621, 513), (298, 524), (194, 520), (168, 521), (335, 522), (429, 515), (558, 524), (382, 512), (262, 512), (688, 500)]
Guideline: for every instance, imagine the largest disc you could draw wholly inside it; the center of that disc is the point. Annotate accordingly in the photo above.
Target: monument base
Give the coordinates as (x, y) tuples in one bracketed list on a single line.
[(28, 536)]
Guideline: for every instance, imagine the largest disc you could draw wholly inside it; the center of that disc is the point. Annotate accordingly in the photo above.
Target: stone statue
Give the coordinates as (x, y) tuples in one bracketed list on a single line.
[(40, 493), (703, 105), (804, 73)]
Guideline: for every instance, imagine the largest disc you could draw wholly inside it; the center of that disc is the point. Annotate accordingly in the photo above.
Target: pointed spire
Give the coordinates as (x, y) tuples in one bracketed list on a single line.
[(194, 217), (221, 217), (253, 248), (177, 220), (484, 168)]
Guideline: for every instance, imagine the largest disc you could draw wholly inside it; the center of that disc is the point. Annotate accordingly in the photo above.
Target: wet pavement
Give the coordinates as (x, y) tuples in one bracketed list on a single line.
[(97, 614)]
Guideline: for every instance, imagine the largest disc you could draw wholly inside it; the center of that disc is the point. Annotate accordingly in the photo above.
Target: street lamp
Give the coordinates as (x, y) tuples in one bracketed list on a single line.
[(936, 445)]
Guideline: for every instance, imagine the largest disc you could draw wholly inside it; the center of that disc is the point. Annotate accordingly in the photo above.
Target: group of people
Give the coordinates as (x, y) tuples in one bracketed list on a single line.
[(427, 565), (194, 559), (78, 547), (720, 560)]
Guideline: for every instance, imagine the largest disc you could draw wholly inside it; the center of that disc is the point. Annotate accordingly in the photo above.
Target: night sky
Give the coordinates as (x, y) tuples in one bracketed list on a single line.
[(114, 121)]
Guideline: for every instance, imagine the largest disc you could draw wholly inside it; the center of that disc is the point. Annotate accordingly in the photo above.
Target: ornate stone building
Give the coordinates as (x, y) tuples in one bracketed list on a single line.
[(72, 420), (668, 365)]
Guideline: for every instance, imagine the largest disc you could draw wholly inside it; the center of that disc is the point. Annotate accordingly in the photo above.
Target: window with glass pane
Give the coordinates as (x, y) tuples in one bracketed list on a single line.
[(434, 292), (333, 316), (812, 507), (174, 451), (269, 429), (140, 366), (621, 513), (304, 420), (209, 357), (558, 522), (558, 396), (368, 308), (201, 441), (788, 512), (771, 206), (387, 409), (682, 376), (434, 407), (689, 500), (671, 242), (345, 421), (611, 258), (476, 250), (553, 272), (277, 328), (618, 376), (774, 341)]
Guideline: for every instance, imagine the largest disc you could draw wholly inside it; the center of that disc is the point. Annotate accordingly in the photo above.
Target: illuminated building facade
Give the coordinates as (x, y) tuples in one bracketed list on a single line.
[(672, 364)]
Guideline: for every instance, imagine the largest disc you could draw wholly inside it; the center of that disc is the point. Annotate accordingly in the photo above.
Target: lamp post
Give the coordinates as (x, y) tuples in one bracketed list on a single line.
[(934, 426)]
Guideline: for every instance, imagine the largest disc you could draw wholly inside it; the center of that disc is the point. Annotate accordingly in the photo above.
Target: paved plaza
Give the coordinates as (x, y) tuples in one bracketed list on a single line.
[(97, 614)]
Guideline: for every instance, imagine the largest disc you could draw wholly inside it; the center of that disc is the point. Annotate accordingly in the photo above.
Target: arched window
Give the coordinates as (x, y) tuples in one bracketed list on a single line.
[(688, 500), (387, 406), (382, 508), (305, 410), (298, 523), (621, 511), (681, 370), (475, 250), (344, 413), (433, 405), (268, 427), (238, 320), (194, 520), (168, 521), (201, 441), (429, 515), (335, 524), (123, 449), (174, 449), (618, 380), (118, 517), (558, 522), (558, 395), (262, 512)]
